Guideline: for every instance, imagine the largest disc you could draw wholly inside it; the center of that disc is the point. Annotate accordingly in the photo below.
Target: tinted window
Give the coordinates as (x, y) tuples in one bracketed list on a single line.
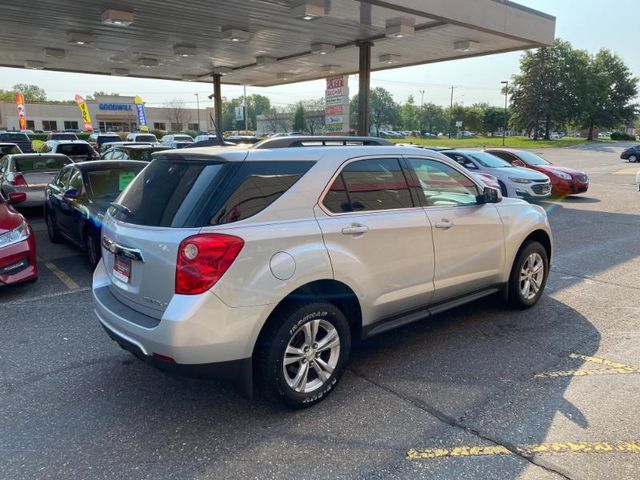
[(254, 187), (76, 181), (73, 149), (8, 149), (532, 158), (369, 185), (102, 139), (63, 136), (488, 160), (14, 137), (167, 192), (462, 160), (40, 163), (146, 138), (503, 155), (63, 178), (142, 154), (443, 185), (109, 182)]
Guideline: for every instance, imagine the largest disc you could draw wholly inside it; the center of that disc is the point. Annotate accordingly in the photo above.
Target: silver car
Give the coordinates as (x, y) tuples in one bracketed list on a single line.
[(267, 264), (30, 173)]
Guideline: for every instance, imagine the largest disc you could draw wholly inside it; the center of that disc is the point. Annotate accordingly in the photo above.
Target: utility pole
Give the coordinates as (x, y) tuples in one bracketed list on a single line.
[(421, 98), (451, 111), (506, 93), (245, 108), (198, 107)]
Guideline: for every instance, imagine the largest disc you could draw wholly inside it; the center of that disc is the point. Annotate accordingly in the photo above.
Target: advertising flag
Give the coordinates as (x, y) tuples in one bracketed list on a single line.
[(142, 116), (84, 110), (22, 112)]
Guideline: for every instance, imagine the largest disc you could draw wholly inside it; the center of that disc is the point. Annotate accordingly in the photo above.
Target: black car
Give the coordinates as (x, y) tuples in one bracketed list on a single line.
[(138, 151), (101, 139), (632, 154), (20, 139), (76, 200)]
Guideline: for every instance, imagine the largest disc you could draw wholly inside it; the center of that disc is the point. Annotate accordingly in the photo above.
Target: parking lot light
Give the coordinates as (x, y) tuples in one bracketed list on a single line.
[(308, 9), (118, 18), (184, 49), (81, 38)]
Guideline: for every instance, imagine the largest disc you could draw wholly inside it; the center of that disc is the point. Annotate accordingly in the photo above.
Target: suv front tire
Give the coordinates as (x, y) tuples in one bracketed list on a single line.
[(303, 354), (528, 275)]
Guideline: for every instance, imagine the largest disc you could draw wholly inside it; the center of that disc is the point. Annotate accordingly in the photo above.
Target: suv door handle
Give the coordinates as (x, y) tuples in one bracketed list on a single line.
[(355, 229), (445, 224)]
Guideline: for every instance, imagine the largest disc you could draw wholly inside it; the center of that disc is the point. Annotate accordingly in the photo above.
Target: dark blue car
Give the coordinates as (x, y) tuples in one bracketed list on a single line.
[(76, 200)]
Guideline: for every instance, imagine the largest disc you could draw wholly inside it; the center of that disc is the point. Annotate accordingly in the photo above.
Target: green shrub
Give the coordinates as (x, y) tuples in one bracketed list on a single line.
[(622, 136)]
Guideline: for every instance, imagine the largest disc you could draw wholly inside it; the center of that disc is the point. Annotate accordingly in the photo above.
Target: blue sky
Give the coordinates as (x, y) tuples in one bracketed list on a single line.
[(587, 24)]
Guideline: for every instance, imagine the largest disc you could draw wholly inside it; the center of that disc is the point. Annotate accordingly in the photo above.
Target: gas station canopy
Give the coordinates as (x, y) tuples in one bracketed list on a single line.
[(259, 42)]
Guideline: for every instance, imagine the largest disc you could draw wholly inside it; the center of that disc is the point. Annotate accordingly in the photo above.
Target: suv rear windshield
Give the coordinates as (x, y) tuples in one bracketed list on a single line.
[(63, 136), (179, 192), (71, 149), (40, 163), (146, 139), (14, 137)]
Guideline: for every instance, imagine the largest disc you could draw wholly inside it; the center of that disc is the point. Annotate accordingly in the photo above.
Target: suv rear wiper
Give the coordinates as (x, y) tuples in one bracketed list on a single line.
[(122, 208)]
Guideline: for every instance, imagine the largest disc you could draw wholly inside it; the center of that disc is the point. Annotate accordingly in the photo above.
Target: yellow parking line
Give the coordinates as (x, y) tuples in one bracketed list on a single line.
[(614, 368), (63, 277), (527, 450)]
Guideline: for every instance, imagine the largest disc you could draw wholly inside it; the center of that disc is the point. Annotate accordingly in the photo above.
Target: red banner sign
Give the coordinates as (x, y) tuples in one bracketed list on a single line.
[(22, 111), (333, 110), (335, 82)]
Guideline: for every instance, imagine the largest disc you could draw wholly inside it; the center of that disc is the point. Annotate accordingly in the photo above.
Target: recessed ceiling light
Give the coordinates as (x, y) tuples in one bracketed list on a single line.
[(465, 45), (263, 60), (81, 38), (222, 70), (119, 18), (322, 48), (121, 72), (389, 58), (33, 64), (184, 49), (235, 34), (284, 76), (54, 52), (308, 9), (148, 62), (400, 27)]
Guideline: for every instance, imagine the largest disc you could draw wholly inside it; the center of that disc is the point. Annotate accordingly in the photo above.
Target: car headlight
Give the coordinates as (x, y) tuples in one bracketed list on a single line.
[(14, 236), (520, 180), (564, 176)]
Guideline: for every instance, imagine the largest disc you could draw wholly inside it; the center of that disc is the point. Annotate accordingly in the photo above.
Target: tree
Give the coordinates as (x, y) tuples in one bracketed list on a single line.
[(299, 119), (314, 115), (256, 105), (493, 119), (32, 93), (177, 113), (433, 119), (609, 89), (384, 109), (410, 114)]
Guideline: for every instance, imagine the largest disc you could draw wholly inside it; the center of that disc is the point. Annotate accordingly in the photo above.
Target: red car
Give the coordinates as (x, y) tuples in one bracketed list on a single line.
[(564, 180), (17, 243)]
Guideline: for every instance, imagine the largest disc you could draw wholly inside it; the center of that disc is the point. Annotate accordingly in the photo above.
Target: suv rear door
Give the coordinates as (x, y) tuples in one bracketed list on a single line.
[(378, 237), (468, 236)]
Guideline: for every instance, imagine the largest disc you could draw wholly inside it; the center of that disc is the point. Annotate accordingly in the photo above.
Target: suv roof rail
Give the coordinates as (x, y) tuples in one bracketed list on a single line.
[(317, 141)]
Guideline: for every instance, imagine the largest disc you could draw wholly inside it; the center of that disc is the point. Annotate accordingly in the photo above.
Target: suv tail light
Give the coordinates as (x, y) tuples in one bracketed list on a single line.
[(203, 259), (19, 180)]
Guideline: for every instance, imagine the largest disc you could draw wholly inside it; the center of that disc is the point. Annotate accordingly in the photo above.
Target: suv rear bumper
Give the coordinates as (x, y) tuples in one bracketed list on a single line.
[(195, 330)]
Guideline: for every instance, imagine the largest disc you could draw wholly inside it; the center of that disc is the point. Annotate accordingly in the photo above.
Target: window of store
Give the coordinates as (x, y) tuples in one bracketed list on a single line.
[(70, 125), (194, 127), (159, 126), (50, 125), (31, 125), (176, 127)]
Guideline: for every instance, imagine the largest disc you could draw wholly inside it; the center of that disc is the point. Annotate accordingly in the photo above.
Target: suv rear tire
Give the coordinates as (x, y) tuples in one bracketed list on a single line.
[(300, 359), (528, 276)]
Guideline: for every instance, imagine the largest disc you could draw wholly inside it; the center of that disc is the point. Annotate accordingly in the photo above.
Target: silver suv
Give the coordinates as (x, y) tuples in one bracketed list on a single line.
[(266, 264)]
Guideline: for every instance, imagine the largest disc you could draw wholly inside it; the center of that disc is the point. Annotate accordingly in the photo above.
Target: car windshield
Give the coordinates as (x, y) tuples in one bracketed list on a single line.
[(143, 154), (532, 158), (64, 136), (108, 139), (72, 149), (109, 182), (146, 138), (489, 161), (40, 163), (8, 149)]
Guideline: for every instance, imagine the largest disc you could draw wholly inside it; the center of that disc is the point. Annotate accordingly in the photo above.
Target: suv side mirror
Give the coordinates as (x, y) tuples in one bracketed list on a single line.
[(71, 193), (17, 197), (490, 195)]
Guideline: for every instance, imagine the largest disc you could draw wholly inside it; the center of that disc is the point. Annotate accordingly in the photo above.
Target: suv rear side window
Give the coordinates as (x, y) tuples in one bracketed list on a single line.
[(443, 185), (365, 185)]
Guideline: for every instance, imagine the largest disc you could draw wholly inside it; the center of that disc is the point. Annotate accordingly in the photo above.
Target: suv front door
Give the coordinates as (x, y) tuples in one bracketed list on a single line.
[(378, 237), (467, 235)]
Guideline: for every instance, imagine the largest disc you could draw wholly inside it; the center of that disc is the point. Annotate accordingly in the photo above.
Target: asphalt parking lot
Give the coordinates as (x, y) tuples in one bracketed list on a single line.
[(477, 393)]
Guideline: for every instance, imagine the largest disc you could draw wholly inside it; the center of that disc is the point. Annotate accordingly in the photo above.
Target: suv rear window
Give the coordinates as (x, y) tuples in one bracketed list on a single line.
[(70, 149), (146, 138), (180, 192), (14, 137), (369, 185), (40, 163)]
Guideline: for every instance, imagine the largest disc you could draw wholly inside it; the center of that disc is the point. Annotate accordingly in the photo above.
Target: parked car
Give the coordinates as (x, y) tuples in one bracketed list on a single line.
[(564, 180), (9, 149), (142, 138), (62, 136), (136, 151), (107, 146), (205, 137), (76, 200), (632, 154), (269, 264), (20, 139), (101, 139), (29, 173), (77, 150), (514, 181), (17, 243), (176, 141)]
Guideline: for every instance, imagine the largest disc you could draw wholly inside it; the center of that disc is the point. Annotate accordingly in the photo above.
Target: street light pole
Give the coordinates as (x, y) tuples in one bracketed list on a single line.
[(198, 107), (421, 98), (504, 127), (451, 111)]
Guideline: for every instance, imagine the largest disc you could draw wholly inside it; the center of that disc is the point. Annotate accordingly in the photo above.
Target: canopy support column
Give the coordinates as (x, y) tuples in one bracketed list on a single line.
[(217, 100), (364, 76)]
